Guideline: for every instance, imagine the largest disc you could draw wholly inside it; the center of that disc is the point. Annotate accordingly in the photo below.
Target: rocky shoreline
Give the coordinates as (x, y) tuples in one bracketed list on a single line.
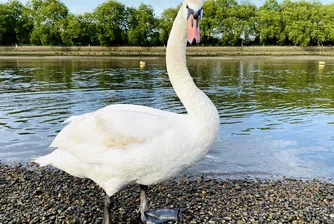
[(46, 195)]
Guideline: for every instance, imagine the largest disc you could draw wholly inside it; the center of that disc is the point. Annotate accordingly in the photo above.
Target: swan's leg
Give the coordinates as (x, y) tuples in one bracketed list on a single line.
[(154, 216), (143, 202), (106, 216)]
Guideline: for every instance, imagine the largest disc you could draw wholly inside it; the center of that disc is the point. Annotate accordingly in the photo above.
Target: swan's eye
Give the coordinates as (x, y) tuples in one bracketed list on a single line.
[(187, 6)]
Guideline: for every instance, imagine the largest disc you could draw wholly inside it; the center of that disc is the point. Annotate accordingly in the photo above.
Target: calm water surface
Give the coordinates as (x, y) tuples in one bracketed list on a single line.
[(277, 114)]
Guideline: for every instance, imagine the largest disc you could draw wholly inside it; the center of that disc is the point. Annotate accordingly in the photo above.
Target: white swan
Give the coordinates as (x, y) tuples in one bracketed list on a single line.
[(120, 144)]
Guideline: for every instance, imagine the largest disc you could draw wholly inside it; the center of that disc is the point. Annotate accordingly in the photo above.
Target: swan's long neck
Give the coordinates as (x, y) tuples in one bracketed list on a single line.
[(194, 100)]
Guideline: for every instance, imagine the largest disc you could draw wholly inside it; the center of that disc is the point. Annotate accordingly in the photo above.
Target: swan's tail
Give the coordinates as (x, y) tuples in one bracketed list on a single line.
[(43, 160), (63, 160), (75, 119)]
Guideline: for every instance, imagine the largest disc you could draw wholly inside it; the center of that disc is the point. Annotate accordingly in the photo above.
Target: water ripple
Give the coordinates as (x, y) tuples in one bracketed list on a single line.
[(276, 118)]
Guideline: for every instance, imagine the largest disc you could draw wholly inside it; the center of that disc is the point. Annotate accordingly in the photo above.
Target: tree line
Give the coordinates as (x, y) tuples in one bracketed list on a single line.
[(225, 22)]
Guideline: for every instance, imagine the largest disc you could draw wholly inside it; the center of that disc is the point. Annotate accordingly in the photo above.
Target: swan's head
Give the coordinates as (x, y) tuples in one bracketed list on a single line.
[(193, 11)]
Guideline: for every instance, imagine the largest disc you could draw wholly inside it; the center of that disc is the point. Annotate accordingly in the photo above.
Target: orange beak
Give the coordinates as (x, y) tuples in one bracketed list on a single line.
[(193, 29)]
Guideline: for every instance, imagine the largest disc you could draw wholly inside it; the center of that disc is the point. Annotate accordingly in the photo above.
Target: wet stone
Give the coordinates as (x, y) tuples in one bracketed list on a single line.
[(46, 195)]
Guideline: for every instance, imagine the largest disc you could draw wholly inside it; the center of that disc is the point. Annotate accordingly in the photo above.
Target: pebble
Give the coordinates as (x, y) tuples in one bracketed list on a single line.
[(46, 195)]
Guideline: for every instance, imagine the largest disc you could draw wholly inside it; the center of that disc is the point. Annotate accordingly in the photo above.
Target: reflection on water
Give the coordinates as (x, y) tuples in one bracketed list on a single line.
[(277, 115)]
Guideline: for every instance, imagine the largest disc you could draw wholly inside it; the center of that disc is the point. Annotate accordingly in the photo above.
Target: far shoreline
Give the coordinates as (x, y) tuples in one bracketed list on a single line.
[(137, 57), (159, 51)]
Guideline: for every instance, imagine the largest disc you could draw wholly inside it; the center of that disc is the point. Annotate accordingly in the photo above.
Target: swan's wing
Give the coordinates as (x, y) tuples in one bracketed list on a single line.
[(112, 128)]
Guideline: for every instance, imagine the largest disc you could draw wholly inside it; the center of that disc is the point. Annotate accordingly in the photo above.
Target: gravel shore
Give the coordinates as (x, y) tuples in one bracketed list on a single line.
[(45, 195)]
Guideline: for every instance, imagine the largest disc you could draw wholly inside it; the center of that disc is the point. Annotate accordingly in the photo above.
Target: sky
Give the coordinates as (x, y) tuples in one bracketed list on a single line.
[(80, 6)]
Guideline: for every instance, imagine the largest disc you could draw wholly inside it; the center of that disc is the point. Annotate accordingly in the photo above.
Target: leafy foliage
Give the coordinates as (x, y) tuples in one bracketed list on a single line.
[(166, 22), (225, 22), (111, 24), (143, 26), (3, 22), (270, 24), (15, 25), (49, 18)]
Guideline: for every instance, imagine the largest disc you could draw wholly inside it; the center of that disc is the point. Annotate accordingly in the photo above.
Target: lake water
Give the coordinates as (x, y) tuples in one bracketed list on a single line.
[(277, 114)]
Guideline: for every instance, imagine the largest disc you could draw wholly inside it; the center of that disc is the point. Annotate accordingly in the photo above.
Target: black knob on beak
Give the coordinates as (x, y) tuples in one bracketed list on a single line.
[(197, 14)]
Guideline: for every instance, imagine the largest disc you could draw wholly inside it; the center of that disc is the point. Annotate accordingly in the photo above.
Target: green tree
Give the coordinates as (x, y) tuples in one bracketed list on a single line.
[(80, 30), (245, 14), (15, 25), (49, 19), (3, 21), (209, 25), (166, 22), (327, 22), (71, 32), (270, 26), (322, 17), (234, 22), (300, 22), (225, 22), (111, 23), (89, 33), (143, 26)]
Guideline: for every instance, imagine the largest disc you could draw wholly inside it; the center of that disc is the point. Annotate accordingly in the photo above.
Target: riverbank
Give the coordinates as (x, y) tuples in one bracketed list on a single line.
[(160, 51), (45, 195)]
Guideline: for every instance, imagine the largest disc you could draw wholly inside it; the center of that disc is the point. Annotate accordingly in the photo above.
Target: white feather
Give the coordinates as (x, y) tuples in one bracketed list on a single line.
[(123, 144)]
